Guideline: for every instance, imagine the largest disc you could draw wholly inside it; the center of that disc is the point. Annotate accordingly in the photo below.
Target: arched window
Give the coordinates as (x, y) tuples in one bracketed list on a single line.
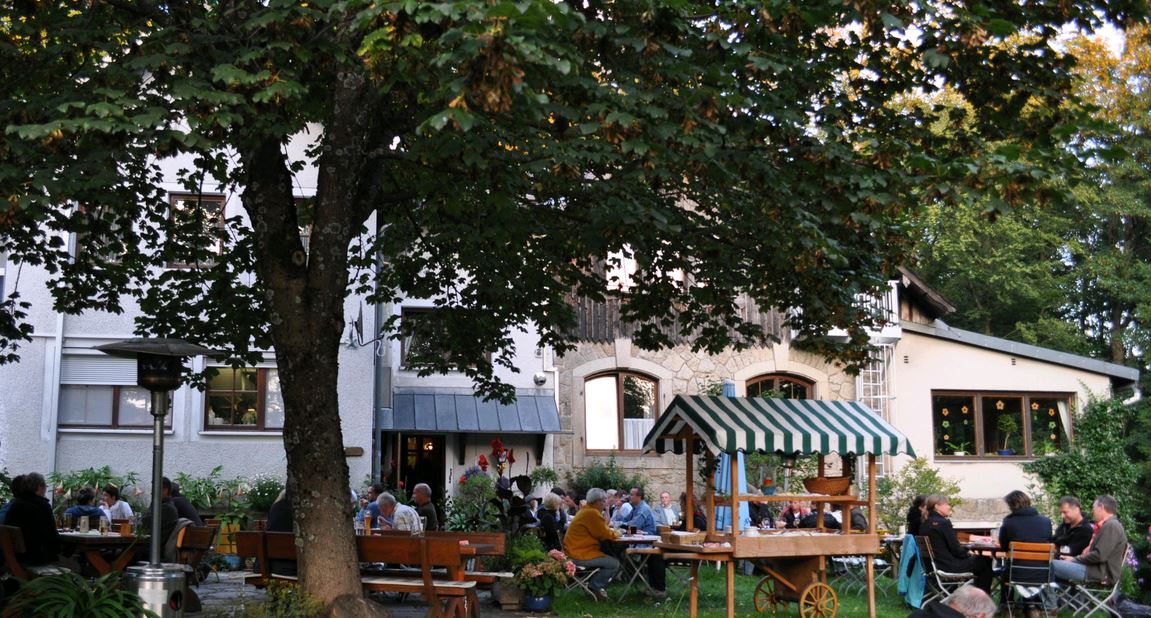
[(779, 385), (619, 409)]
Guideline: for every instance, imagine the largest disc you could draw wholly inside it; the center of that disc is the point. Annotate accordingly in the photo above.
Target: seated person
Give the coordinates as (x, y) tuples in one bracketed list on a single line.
[(858, 519), (84, 506), (698, 519), (643, 520), (1073, 535), (950, 556), (582, 541), (368, 504), (402, 516), (1024, 524), (31, 512), (667, 513), (811, 520), (549, 515), (793, 514), (169, 518), (422, 496), (183, 506), (112, 505), (915, 515), (280, 520), (1102, 561), (967, 602)]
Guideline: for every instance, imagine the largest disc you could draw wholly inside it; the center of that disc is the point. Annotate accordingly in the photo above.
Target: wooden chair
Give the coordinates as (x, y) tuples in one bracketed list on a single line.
[(1028, 573), (12, 545), (192, 543), (440, 576)]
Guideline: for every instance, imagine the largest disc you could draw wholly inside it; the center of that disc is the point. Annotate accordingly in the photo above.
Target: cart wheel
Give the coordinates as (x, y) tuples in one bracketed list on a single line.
[(765, 595), (818, 601)]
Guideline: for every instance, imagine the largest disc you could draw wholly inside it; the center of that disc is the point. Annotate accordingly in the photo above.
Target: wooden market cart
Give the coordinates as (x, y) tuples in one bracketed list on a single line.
[(794, 565)]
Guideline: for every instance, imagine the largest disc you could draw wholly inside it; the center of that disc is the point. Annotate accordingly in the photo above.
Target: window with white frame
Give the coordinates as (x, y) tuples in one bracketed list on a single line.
[(620, 408), (100, 392), (195, 226), (780, 386), (247, 399)]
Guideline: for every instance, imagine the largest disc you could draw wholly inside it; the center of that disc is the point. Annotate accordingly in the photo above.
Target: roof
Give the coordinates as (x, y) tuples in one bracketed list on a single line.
[(943, 331), (730, 424), (933, 303), (445, 410)]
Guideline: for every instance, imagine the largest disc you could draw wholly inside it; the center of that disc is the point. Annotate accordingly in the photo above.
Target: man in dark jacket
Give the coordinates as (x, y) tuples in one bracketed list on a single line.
[(32, 514), (183, 506), (1074, 534), (1023, 523), (967, 602), (1103, 560)]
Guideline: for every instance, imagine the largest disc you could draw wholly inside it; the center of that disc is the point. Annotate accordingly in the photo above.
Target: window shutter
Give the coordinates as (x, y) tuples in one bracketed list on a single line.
[(76, 369)]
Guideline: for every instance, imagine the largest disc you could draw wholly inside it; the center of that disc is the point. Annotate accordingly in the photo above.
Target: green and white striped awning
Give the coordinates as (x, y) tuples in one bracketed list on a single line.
[(730, 424)]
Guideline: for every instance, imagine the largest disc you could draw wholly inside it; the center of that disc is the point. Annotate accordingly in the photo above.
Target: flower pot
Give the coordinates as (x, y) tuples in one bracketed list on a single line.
[(537, 604), (1006, 452), (507, 594)]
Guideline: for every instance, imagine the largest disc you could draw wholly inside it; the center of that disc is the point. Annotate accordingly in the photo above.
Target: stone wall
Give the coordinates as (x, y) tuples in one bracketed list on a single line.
[(678, 371)]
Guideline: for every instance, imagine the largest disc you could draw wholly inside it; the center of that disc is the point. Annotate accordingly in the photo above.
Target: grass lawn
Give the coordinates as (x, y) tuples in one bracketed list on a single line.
[(712, 601)]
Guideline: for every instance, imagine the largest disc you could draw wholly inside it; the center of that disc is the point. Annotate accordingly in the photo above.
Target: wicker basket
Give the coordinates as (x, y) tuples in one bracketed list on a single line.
[(828, 485), (683, 538)]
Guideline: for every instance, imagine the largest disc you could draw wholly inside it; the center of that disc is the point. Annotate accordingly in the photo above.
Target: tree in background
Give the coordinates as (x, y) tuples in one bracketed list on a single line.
[(499, 154), (894, 493)]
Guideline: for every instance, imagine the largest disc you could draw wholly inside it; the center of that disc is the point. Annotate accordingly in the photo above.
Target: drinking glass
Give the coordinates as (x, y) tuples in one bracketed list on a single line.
[(104, 525), (359, 525), (423, 525), (69, 521)]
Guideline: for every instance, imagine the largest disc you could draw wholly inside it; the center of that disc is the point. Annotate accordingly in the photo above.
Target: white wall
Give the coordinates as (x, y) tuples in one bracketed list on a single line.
[(939, 364), (29, 440)]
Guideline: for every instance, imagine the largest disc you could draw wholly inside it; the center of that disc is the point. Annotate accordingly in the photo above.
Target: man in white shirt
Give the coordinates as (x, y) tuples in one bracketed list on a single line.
[(112, 505), (667, 513), (403, 516)]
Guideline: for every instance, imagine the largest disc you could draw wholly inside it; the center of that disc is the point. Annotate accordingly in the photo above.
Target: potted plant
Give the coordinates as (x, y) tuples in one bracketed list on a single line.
[(541, 579), (959, 448), (69, 594), (1007, 426)]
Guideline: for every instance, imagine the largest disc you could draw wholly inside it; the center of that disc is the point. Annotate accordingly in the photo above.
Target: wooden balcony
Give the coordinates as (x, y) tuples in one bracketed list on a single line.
[(600, 322)]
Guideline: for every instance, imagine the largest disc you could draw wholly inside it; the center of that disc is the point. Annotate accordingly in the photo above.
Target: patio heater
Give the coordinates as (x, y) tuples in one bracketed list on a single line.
[(158, 366)]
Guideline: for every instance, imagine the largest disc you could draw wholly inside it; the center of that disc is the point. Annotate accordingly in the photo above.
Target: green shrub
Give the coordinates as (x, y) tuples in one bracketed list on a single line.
[(1096, 464), (896, 492), (201, 491), (69, 595), (543, 475), (66, 485), (474, 505), (605, 475), (263, 493)]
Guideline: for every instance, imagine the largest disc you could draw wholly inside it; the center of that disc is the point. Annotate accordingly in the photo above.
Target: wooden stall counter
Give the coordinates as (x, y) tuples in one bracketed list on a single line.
[(806, 543)]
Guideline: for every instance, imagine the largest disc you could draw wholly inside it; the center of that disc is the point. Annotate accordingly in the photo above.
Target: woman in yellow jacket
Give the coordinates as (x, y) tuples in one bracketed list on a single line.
[(582, 541)]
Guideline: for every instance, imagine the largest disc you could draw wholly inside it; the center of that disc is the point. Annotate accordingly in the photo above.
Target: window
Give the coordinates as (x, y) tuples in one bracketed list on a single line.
[(99, 238), (196, 227), (1000, 424), (99, 406), (779, 385), (100, 392), (245, 399), (605, 396)]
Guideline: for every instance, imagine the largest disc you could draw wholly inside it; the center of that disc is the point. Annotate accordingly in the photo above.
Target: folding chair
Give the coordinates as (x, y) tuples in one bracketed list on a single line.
[(1086, 598), (940, 584), (582, 580), (1028, 574), (850, 573)]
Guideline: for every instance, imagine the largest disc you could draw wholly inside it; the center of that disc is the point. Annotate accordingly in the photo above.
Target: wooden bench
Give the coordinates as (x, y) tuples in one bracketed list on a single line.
[(12, 545), (499, 546), (437, 566)]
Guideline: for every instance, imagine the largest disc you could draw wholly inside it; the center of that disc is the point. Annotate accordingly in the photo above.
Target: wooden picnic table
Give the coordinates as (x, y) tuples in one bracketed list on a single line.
[(93, 544)]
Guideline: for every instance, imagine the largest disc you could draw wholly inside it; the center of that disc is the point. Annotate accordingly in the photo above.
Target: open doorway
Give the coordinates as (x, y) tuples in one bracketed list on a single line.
[(422, 460)]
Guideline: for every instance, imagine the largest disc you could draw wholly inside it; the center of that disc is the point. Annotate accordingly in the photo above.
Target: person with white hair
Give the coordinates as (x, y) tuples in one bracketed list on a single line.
[(582, 541), (403, 517), (967, 602)]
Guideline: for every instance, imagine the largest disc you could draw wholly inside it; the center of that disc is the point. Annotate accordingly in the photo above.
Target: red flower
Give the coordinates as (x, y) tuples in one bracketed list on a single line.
[(497, 448), (401, 484), (511, 457), (483, 462)]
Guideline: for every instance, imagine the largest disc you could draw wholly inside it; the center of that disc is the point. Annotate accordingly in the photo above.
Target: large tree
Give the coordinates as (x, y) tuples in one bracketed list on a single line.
[(506, 150)]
